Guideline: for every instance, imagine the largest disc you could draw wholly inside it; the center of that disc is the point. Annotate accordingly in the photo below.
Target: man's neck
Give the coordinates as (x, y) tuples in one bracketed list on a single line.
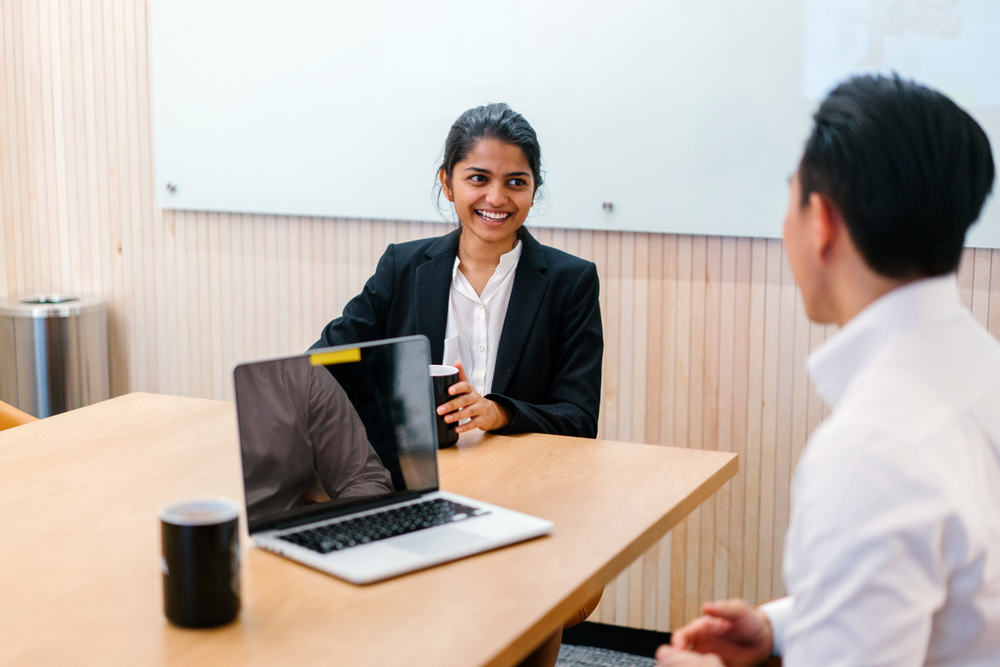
[(856, 287)]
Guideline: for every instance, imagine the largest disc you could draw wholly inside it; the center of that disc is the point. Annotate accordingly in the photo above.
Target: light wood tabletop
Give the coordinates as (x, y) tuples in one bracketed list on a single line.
[(80, 580)]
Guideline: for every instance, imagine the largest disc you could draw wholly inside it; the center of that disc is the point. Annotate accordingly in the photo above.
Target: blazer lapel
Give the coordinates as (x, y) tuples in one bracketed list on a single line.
[(525, 298), (432, 289)]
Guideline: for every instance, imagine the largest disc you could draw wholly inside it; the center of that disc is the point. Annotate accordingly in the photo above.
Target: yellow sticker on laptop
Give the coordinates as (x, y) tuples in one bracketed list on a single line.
[(338, 357)]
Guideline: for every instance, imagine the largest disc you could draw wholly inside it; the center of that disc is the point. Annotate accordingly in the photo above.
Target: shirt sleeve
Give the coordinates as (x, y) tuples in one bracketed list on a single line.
[(778, 612)]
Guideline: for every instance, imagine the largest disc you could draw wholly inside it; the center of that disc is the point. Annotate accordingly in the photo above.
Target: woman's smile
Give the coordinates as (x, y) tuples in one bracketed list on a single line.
[(493, 217)]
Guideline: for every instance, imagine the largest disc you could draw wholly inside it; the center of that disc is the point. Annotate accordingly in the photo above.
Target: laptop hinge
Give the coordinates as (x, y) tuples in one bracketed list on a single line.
[(330, 510)]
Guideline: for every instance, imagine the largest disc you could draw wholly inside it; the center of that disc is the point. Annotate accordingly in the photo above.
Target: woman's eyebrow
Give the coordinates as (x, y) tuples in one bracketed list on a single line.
[(481, 170)]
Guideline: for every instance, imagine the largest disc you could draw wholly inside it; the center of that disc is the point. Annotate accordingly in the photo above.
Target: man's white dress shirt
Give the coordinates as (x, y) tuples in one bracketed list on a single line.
[(892, 556), (475, 321)]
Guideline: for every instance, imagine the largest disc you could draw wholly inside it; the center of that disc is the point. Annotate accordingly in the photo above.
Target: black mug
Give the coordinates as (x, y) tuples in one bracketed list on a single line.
[(201, 562), (443, 377)]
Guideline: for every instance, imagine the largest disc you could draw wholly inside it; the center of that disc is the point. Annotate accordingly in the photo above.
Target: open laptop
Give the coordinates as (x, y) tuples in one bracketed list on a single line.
[(339, 452)]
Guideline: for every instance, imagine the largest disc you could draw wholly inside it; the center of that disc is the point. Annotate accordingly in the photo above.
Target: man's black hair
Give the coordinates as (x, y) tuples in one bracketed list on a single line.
[(907, 168)]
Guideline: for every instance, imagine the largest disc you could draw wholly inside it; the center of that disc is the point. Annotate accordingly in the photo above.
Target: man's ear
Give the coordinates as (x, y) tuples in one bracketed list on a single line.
[(827, 225), (445, 187)]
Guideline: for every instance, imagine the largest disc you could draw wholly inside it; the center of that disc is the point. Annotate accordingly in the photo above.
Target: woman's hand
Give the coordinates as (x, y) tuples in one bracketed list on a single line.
[(468, 404)]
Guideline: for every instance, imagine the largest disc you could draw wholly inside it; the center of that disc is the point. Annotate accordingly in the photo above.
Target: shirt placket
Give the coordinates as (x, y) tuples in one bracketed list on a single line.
[(480, 346)]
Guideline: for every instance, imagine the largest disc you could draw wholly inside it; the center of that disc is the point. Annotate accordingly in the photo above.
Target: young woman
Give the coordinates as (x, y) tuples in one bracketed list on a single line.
[(520, 320)]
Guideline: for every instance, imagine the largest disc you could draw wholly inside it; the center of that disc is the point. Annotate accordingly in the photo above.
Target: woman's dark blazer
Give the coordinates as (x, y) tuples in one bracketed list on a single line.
[(548, 367)]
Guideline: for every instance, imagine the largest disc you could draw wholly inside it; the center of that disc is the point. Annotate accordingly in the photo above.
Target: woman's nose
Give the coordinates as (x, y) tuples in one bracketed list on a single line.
[(495, 196)]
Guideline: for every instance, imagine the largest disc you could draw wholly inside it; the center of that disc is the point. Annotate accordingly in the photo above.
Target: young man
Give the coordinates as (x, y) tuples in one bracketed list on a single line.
[(892, 556)]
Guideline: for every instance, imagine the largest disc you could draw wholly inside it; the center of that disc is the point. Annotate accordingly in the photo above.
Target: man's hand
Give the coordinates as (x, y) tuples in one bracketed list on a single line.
[(668, 656), (738, 635), (482, 412)]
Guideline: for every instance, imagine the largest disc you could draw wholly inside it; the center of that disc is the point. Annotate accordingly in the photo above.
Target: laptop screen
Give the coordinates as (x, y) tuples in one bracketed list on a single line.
[(335, 428)]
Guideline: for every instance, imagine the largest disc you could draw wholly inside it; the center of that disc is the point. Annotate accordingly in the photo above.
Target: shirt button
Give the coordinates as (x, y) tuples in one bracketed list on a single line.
[(482, 347), (480, 306), (499, 272)]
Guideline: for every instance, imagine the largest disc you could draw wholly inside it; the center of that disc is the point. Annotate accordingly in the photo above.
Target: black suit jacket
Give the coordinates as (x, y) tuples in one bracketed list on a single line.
[(548, 367)]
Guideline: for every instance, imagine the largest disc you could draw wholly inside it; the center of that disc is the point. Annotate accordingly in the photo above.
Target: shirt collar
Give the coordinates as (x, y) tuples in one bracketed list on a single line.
[(909, 307), (508, 260)]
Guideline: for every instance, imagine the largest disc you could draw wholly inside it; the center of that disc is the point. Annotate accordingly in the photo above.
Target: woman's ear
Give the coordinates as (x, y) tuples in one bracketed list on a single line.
[(445, 186)]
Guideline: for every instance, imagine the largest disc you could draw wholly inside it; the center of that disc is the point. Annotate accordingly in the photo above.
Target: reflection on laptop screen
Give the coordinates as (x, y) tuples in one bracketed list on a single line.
[(335, 427)]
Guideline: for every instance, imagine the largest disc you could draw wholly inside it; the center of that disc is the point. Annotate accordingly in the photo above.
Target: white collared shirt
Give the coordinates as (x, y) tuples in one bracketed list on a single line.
[(475, 321), (892, 555)]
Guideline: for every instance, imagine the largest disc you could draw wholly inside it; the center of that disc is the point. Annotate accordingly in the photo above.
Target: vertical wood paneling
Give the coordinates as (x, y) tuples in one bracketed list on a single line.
[(769, 414), (993, 317), (710, 412), (724, 428), (741, 421), (785, 403), (681, 352), (706, 338), (755, 402)]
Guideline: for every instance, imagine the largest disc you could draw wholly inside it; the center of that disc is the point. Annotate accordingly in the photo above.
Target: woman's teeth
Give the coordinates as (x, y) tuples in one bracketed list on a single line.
[(493, 217)]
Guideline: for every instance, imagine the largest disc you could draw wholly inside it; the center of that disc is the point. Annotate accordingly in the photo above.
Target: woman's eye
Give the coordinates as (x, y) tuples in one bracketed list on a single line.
[(477, 178), (517, 182)]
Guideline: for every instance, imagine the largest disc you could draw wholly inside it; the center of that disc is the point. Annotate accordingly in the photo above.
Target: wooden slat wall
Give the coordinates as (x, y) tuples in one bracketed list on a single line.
[(706, 337)]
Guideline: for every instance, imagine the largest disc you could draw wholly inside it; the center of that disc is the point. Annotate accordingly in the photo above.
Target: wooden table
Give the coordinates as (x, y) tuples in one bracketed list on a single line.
[(80, 579)]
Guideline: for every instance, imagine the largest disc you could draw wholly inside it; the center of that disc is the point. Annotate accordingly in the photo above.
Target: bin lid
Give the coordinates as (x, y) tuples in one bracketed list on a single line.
[(50, 305)]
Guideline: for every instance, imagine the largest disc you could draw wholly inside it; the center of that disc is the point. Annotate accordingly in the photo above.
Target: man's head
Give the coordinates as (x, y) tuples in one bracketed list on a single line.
[(901, 169)]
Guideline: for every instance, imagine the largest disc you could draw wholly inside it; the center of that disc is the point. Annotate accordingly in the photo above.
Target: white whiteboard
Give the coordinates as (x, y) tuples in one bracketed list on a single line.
[(687, 115)]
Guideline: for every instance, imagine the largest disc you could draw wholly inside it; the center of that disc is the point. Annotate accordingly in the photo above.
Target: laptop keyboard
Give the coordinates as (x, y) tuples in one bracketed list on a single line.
[(379, 526)]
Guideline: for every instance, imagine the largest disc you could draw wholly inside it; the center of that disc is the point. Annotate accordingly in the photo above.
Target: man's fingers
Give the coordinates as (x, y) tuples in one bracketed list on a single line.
[(665, 652), (684, 637), (688, 636), (461, 372), (729, 609)]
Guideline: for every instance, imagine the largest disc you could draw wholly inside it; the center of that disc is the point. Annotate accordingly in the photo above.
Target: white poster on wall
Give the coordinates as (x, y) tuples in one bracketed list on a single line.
[(950, 45)]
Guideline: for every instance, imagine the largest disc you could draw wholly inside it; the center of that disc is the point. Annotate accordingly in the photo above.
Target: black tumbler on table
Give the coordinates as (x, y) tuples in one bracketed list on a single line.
[(443, 377), (200, 562)]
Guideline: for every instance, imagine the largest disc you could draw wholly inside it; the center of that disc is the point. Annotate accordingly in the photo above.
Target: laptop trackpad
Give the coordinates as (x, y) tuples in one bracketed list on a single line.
[(439, 541)]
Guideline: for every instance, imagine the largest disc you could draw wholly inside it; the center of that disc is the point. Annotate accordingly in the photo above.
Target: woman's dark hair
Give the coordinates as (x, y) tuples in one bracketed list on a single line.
[(493, 121), (906, 167)]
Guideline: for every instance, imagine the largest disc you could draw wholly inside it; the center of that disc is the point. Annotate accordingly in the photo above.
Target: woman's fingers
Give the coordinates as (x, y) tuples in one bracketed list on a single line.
[(464, 403), (462, 387), (470, 425), (482, 415), (470, 405), (465, 395)]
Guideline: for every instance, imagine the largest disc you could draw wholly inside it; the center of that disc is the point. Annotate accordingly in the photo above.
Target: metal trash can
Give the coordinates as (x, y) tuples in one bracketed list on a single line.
[(53, 353)]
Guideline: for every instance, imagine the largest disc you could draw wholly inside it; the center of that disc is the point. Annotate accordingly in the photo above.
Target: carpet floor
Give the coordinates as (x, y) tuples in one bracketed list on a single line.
[(588, 656), (600, 645)]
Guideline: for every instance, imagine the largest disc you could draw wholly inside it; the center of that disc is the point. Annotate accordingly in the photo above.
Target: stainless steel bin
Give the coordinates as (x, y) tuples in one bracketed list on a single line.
[(53, 353)]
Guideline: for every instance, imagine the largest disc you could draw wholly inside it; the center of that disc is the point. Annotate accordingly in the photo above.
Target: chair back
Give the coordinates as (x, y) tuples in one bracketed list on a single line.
[(11, 417)]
